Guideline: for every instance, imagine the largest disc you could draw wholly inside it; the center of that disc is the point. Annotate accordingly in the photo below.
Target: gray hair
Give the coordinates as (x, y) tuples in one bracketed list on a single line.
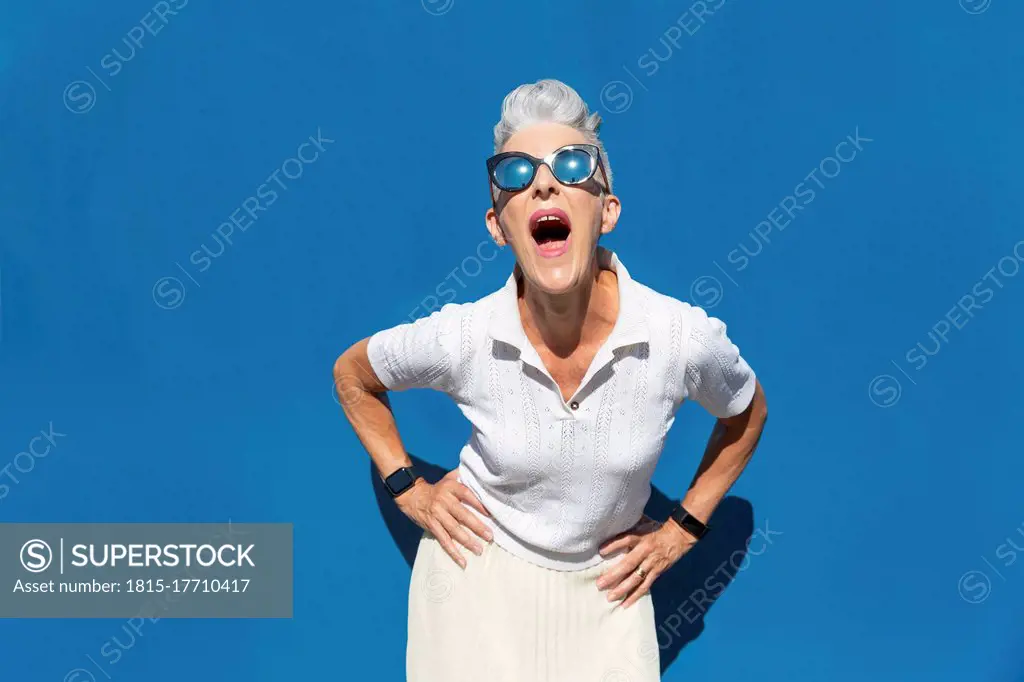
[(548, 101)]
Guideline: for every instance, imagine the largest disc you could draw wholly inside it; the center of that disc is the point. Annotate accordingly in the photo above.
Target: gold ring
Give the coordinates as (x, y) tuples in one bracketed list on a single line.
[(642, 573)]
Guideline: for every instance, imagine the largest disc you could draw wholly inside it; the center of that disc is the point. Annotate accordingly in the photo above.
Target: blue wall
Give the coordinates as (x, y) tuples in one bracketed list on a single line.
[(892, 471)]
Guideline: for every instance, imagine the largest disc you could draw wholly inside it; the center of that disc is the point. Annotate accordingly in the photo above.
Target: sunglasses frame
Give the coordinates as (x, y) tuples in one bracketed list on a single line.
[(592, 150)]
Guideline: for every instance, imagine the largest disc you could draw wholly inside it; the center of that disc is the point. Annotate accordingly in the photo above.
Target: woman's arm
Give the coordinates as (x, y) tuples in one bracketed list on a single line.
[(655, 548), (729, 448), (364, 400), (438, 508)]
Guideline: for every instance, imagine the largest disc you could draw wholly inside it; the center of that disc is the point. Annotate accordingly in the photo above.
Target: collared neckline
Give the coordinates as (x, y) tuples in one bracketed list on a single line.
[(630, 326)]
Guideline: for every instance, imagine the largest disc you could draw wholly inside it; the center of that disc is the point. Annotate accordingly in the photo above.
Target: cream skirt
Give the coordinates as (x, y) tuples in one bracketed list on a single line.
[(504, 619)]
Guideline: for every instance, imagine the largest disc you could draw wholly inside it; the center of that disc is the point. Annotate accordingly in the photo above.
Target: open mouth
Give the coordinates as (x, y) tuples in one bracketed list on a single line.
[(550, 229)]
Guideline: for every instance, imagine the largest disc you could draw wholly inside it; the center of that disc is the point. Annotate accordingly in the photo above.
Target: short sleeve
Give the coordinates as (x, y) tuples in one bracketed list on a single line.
[(717, 376), (420, 354)]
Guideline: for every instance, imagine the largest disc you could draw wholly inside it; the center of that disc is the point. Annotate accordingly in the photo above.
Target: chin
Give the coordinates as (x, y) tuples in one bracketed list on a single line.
[(557, 278)]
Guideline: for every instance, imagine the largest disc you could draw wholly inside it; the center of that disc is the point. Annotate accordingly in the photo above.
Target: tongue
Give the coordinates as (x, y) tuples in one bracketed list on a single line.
[(552, 245)]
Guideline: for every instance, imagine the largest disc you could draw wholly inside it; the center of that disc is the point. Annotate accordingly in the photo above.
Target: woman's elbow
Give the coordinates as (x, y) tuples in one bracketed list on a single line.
[(353, 361), (342, 366), (353, 374)]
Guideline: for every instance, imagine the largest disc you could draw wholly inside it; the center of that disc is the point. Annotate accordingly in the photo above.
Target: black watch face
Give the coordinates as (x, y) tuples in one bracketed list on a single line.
[(696, 528), (689, 523), (399, 481)]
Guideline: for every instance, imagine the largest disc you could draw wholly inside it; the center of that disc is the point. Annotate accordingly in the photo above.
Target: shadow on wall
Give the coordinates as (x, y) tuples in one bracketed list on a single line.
[(682, 596)]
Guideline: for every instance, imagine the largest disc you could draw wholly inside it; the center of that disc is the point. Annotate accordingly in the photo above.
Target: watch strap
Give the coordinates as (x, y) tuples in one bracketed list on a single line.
[(688, 522)]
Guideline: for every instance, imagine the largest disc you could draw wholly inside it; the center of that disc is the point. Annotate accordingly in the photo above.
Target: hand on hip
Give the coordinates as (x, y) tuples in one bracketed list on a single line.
[(441, 509), (652, 549)]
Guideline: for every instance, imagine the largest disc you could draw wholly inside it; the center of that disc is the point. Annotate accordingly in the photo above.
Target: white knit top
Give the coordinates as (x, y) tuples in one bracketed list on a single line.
[(560, 477)]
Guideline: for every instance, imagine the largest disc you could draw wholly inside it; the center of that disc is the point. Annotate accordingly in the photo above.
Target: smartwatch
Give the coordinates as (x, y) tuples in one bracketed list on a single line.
[(691, 524), (400, 481)]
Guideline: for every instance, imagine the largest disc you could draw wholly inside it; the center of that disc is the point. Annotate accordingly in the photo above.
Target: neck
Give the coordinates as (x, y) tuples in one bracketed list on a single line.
[(562, 322)]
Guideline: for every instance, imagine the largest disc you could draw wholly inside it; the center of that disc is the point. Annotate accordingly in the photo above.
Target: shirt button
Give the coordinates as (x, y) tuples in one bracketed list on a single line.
[(574, 405)]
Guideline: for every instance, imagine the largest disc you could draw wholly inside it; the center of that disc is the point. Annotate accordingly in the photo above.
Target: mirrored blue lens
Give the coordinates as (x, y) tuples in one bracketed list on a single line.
[(513, 173), (572, 166)]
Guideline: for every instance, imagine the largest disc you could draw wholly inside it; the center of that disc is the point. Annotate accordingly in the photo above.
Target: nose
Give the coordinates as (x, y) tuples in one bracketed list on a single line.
[(545, 184)]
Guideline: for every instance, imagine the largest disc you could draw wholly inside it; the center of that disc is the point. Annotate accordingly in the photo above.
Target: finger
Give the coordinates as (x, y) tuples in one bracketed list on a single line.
[(459, 534), (626, 587), (640, 591), (471, 521), (447, 544), (622, 568), (627, 541), (470, 498)]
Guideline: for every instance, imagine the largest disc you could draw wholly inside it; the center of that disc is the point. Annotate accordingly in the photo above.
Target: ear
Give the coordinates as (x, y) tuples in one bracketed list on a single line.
[(494, 227), (610, 213)]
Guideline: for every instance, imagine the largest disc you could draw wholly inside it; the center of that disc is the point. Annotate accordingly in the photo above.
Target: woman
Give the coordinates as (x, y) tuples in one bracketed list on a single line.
[(536, 562)]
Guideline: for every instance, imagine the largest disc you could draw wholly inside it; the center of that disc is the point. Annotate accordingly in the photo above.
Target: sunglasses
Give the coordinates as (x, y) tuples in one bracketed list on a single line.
[(571, 165)]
